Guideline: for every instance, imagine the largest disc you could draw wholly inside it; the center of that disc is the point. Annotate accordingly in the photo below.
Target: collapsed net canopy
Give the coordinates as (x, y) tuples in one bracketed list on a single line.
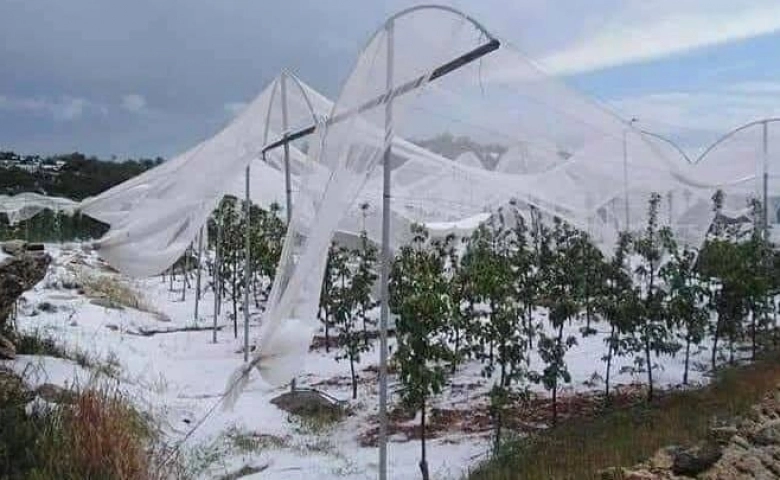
[(24, 206), (493, 131), (155, 216)]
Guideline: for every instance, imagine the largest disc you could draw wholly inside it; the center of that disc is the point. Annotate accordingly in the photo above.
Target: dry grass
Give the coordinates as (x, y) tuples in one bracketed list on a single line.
[(100, 436), (97, 436), (111, 289), (579, 449)]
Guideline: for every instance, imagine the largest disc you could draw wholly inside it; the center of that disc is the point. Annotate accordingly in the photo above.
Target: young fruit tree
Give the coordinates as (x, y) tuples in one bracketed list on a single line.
[(335, 267), (686, 298), (618, 304), (363, 280), (419, 297), (654, 330), (562, 303), (350, 299)]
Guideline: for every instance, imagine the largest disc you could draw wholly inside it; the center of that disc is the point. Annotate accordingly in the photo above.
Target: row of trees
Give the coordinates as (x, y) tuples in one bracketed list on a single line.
[(481, 300), (484, 298), (79, 176), (50, 226), (267, 232)]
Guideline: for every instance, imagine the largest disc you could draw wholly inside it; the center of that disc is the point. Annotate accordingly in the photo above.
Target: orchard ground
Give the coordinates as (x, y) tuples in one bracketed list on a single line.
[(178, 378)]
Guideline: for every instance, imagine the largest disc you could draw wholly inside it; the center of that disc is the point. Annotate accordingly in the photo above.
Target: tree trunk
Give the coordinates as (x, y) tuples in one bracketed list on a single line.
[(327, 330), (365, 329), (457, 350), (354, 378), (687, 357), (753, 328), (715, 338), (423, 457), (610, 349), (555, 382), (649, 362)]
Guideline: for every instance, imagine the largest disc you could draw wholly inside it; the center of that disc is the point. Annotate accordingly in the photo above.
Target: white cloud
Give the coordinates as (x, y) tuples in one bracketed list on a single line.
[(647, 30), (234, 108), (66, 108), (134, 102)]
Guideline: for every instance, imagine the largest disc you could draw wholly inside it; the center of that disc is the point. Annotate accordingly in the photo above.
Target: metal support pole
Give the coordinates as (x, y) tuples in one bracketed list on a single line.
[(200, 268), (287, 180), (217, 274), (184, 272), (625, 178), (385, 274), (247, 259), (766, 180)]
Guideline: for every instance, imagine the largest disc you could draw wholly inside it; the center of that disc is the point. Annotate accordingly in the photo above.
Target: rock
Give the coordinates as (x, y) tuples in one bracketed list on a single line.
[(310, 403), (767, 435), (7, 349), (613, 473), (694, 461), (17, 275), (47, 307), (722, 435), (14, 247), (740, 442)]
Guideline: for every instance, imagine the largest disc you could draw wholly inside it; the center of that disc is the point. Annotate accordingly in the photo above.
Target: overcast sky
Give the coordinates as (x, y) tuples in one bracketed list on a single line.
[(154, 77)]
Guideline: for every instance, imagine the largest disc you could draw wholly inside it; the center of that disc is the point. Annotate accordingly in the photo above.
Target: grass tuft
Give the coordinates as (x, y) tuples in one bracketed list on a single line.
[(111, 289), (98, 435)]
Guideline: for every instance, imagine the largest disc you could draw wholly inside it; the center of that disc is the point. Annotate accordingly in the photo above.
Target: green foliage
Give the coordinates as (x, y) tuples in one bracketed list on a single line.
[(267, 232), (351, 275)]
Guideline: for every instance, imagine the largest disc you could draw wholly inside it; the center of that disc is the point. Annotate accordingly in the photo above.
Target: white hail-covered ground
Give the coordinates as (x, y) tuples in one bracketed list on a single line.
[(179, 377)]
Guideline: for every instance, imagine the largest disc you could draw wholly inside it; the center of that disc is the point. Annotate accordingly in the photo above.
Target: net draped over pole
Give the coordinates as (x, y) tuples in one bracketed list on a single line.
[(456, 128)]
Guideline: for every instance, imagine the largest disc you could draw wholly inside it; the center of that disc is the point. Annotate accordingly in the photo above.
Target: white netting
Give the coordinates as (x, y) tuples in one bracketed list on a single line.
[(155, 217), (24, 206), (496, 130), (465, 143)]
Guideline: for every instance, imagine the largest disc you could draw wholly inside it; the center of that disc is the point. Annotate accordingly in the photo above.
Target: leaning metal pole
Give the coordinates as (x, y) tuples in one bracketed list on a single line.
[(385, 274), (247, 271)]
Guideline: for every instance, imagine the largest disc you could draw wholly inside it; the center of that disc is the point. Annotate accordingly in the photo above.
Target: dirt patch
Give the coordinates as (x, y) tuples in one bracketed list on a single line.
[(522, 416)]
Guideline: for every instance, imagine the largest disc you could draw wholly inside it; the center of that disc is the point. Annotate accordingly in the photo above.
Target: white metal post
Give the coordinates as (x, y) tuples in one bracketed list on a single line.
[(625, 178), (184, 272), (197, 280), (287, 179), (385, 274), (247, 273), (766, 179)]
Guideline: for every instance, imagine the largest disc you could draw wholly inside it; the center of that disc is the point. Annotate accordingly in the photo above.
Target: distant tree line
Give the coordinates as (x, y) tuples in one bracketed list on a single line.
[(78, 178)]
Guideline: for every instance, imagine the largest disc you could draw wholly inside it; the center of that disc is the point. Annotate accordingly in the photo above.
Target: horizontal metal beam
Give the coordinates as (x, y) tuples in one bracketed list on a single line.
[(407, 87)]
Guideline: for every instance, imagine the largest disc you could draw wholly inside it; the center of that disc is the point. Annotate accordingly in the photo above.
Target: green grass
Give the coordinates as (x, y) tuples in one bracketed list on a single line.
[(581, 448)]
